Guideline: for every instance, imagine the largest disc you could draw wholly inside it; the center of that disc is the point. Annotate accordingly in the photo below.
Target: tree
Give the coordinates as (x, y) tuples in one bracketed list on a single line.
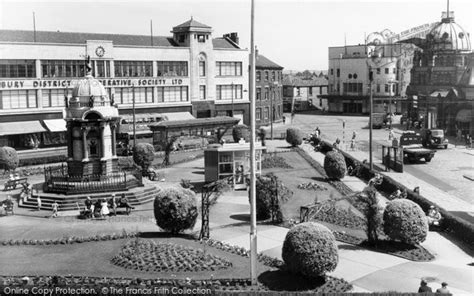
[(335, 165), (9, 158), (310, 249), (262, 133), (270, 194), (175, 209), (143, 155), (240, 131), (294, 137), (368, 204), (169, 147)]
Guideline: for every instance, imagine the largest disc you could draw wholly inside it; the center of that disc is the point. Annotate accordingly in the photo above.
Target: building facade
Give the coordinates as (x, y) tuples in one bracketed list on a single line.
[(349, 70), (268, 91), (188, 72), (441, 89), (300, 94)]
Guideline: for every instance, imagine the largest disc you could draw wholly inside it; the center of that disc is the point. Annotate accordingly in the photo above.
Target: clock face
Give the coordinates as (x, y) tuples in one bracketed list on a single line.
[(100, 51)]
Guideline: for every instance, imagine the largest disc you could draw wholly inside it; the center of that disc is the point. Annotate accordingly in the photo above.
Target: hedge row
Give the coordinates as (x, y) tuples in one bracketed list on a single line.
[(42, 160), (460, 228)]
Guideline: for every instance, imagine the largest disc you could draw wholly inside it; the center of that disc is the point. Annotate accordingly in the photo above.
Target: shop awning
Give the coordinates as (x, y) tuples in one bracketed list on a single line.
[(21, 127), (55, 125), (464, 115), (175, 116)]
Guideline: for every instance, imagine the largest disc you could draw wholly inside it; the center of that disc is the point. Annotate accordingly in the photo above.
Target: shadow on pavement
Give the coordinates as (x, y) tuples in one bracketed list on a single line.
[(349, 247), (156, 234), (280, 280), (241, 217)]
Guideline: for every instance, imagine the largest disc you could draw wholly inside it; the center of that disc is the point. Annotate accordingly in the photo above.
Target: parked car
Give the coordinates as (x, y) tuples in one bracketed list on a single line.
[(434, 138)]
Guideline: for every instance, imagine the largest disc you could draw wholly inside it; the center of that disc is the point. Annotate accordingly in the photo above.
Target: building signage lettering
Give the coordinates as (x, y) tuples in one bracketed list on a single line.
[(419, 31), (38, 84)]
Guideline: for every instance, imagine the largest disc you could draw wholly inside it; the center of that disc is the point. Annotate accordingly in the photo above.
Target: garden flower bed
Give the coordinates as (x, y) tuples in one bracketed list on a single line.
[(167, 257), (274, 161)]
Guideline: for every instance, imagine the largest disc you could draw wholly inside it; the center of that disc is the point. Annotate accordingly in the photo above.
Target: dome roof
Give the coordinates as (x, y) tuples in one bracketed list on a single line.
[(89, 86), (448, 35)]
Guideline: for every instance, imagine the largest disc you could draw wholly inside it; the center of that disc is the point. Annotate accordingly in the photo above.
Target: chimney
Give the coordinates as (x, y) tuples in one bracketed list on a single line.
[(232, 36)]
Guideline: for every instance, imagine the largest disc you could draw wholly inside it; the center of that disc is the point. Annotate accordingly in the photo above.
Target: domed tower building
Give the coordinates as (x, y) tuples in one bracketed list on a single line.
[(91, 121), (92, 162), (437, 90)]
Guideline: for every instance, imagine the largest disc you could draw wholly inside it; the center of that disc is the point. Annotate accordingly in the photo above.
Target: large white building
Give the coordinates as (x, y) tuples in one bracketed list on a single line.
[(189, 72)]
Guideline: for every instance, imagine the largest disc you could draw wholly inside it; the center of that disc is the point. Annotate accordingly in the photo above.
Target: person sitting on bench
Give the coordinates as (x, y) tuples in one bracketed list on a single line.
[(434, 217), (125, 204), (88, 213)]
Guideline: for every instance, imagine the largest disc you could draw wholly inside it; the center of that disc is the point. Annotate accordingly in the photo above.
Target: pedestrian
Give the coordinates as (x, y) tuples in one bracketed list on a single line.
[(113, 204), (317, 132), (38, 200), (354, 135), (353, 144), (54, 208), (89, 212), (443, 289), (284, 119), (424, 288), (390, 135)]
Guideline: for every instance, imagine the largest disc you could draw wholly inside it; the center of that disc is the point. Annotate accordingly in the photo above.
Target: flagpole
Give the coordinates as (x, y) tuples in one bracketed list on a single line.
[(253, 209)]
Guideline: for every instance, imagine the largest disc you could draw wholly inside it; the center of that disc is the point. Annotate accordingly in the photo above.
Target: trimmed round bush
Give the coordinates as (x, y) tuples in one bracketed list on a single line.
[(143, 155), (8, 158), (175, 209), (310, 249), (335, 165), (240, 131), (405, 221), (294, 137)]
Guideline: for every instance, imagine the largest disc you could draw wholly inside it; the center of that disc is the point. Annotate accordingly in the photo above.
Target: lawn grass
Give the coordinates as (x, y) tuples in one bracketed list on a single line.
[(95, 259)]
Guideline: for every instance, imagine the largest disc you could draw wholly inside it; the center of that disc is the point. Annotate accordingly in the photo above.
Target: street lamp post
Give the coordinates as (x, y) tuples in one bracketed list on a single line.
[(273, 86), (232, 99), (371, 78), (133, 111)]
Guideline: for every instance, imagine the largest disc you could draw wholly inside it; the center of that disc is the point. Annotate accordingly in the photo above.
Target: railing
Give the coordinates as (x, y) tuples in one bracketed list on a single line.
[(57, 180)]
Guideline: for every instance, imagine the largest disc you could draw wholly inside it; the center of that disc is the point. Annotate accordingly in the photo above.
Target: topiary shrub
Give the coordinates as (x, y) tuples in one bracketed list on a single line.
[(143, 155), (405, 221), (310, 249), (335, 165), (294, 137), (240, 131), (8, 158), (270, 194), (175, 209)]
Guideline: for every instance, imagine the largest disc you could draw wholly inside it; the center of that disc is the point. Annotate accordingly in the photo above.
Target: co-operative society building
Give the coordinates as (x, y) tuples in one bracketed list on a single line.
[(187, 75)]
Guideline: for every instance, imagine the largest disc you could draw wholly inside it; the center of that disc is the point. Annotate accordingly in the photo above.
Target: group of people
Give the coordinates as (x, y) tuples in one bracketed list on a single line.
[(103, 207), (424, 288)]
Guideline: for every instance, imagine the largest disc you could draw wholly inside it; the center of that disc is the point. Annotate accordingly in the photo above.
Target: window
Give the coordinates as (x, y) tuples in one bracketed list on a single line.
[(201, 38), (172, 94), (62, 68), (258, 114), (172, 68), (378, 70), (229, 92), (387, 89), (17, 69), (101, 68), (338, 72), (258, 76), (387, 70), (332, 71), (202, 69), (53, 97), (266, 93), (202, 92), (229, 68), (133, 69), (378, 88), (394, 70), (266, 75), (273, 75), (352, 87), (124, 95), (17, 99), (298, 91), (259, 93), (266, 113), (181, 38), (393, 87), (310, 91)]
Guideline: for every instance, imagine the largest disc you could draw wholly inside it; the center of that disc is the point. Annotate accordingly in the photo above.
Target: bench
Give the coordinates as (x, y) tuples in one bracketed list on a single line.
[(13, 183)]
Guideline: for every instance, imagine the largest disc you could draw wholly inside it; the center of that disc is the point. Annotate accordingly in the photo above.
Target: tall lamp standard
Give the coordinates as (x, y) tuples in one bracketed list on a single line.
[(133, 111), (232, 86), (272, 86), (391, 83), (371, 79)]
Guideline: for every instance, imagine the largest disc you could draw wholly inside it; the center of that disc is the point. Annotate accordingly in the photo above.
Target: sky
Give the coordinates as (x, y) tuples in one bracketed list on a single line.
[(295, 34)]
